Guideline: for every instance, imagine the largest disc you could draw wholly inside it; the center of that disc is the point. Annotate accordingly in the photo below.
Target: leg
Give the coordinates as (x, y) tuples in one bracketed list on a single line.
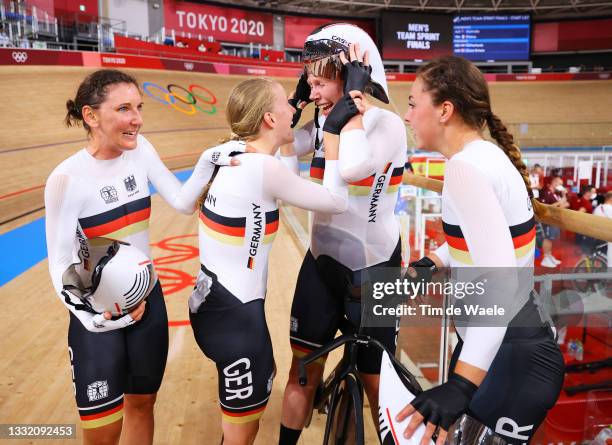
[(314, 321), (547, 247), (147, 344), (369, 359), (139, 421), (298, 399), (99, 371), (106, 435), (238, 341), (370, 385), (239, 434), (368, 363)]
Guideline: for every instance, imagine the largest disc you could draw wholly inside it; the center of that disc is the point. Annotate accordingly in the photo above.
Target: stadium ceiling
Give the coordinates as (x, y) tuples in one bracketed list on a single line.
[(539, 9)]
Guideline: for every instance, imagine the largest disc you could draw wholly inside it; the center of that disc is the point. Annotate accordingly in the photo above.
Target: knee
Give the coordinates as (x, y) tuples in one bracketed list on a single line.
[(239, 434), (296, 391), (106, 435), (313, 379), (140, 403)]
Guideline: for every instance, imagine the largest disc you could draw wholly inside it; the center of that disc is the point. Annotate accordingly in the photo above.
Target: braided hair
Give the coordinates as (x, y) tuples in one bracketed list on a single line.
[(460, 82)]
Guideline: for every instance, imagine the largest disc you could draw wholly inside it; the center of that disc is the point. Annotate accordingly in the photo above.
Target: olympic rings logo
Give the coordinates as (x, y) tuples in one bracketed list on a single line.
[(20, 57), (188, 97)]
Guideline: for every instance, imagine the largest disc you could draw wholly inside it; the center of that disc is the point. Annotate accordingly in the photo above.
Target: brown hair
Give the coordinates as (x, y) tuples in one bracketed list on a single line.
[(460, 82), (92, 91)]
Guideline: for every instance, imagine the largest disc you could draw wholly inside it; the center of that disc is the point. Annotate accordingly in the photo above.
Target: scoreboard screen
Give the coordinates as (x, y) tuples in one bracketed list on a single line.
[(415, 36), (492, 37)]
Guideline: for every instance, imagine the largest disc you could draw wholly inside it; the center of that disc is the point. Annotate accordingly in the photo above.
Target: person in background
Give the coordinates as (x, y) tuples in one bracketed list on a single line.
[(5, 41), (583, 202), (553, 194), (536, 177), (605, 210)]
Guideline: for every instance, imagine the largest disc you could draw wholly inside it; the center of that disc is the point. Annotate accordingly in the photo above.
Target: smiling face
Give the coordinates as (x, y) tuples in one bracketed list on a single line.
[(115, 123), (325, 92), (282, 115), (424, 118)]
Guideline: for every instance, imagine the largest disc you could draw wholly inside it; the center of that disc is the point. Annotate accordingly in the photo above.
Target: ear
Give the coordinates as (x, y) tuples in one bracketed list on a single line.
[(269, 119), (447, 110), (90, 116)]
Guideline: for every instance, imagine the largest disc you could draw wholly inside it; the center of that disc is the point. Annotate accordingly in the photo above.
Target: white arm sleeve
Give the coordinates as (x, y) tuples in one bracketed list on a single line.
[(63, 200), (62, 206), (281, 183), (490, 245), (304, 139), (291, 162), (361, 156), (443, 253), (183, 198)]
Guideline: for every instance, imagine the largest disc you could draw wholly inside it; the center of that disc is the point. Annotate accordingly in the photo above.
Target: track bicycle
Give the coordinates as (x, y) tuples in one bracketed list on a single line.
[(340, 395)]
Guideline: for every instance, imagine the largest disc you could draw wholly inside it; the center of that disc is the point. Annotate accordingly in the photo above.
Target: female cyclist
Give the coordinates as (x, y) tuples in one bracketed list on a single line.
[(509, 375), (101, 194), (238, 221), (366, 235)]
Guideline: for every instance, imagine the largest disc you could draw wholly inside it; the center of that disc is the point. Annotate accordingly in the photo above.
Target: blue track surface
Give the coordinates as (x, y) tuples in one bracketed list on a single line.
[(26, 246)]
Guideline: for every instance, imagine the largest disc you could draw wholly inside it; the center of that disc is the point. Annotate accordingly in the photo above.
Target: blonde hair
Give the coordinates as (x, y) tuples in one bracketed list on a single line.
[(248, 102)]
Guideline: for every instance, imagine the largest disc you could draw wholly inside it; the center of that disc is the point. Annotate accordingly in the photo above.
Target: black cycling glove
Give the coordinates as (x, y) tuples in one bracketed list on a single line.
[(342, 112), (425, 269), (356, 76), (444, 404), (302, 95)]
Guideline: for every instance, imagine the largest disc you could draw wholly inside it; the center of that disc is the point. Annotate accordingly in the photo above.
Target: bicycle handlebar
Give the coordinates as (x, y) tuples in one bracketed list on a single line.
[(356, 338)]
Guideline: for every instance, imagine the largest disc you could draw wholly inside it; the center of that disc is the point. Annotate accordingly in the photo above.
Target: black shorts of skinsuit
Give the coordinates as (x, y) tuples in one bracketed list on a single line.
[(522, 384), (107, 365), (235, 336), (320, 302)]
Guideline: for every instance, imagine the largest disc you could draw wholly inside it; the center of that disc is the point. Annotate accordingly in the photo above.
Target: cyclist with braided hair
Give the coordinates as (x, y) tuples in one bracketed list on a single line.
[(509, 375)]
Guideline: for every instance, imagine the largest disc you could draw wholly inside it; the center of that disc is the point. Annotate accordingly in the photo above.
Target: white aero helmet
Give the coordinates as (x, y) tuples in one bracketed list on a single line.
[(121, 279), (324, 44)]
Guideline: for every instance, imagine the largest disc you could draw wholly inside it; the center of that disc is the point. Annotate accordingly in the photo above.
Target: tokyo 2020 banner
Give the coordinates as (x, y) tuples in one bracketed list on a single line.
[(223, 24)]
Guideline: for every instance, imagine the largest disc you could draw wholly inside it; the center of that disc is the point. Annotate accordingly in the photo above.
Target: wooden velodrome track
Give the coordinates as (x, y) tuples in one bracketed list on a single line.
[(35, 381)]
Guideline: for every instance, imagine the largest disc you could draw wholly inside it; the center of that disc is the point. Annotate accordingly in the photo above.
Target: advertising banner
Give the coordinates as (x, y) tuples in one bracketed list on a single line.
[(223, 24)]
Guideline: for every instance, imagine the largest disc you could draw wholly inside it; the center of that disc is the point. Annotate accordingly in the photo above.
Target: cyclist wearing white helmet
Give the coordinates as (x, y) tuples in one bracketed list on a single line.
[(101, 194), (343, 246)]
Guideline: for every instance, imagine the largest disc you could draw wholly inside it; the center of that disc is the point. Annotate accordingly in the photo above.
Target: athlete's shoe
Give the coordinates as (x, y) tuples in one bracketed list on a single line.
[(552, 257), (548, 262)]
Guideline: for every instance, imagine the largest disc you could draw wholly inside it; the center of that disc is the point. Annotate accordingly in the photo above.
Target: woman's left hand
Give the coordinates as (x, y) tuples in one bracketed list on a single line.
[(359, 101), (220, 156), (440, 407), (355, 70)]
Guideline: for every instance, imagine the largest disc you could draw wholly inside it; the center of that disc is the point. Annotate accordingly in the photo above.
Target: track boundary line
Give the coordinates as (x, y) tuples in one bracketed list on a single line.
[(55, 144)]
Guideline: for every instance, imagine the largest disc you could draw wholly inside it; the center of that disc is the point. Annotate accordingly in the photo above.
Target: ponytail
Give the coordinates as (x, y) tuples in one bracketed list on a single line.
[(73, 114), (92, 92), (505, 140)]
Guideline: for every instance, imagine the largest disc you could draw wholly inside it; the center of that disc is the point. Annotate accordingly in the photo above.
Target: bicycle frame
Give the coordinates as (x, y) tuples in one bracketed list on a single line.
[(347, 370)]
